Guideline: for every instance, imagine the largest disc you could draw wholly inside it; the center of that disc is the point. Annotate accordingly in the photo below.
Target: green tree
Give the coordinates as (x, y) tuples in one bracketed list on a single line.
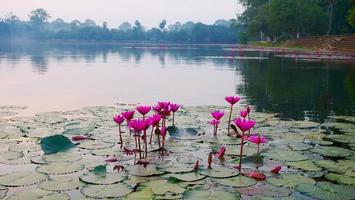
[(39, 16), (162, 24), (351, 17)]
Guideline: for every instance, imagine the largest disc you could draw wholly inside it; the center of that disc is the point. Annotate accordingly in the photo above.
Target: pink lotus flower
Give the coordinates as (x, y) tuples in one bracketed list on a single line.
[(221, 152), (139, 125), (257, 139), (143, 109), (232, 99), (118, 119), (217, 115), (164, 104), (174, 107), (214, 122), (157, 108), (244, 124), (244, 113), (276, 169), (154, 119), (128, 115)]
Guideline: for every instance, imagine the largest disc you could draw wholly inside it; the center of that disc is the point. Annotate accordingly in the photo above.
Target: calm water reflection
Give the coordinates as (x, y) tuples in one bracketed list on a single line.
[(54, 77)]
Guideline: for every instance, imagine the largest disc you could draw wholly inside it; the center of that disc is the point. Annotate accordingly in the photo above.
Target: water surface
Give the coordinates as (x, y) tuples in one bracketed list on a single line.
[(61, 77)]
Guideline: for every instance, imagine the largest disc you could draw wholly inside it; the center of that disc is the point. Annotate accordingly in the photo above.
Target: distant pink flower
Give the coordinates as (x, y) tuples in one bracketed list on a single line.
[(164, 104), (143, 109), (217, 115), (139, 125), (257, 139), (128, 115), (221, 152), (244, 124), (154, 119), (174, 107), (214, 122), (232, 99), (118, 119), (157, 108), (276, 169), (244, 113)]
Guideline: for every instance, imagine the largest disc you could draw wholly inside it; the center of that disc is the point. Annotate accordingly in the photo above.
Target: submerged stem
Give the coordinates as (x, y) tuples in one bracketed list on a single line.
[(241, 152), (119, 130)]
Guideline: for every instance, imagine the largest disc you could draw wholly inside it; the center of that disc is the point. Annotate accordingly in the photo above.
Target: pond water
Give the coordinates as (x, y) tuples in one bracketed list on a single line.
[(61, 77)]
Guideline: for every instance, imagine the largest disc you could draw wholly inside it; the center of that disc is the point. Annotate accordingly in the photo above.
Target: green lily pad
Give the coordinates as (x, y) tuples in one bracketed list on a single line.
[(226, 140), (219, 172), (183, 133), (341, 138), (145, 194), (238, 182), (341, 179), (178, 168), (110, 178), (161, 187), (305, 165), (56, 143), (327, 191), (210, 195), (61, 184), (36, 193), (3, 191), (285, 155), (59, 168), (17, 179), (332, 151), (186, 177), (93, 145), (299, 146), (290, 180), (100, 170), (139, 170), (62, 157), (333, 166), (106, 191), (40, 132)]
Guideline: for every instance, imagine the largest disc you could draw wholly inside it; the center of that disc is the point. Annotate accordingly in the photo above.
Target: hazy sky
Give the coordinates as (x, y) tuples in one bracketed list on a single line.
[(149, 12)]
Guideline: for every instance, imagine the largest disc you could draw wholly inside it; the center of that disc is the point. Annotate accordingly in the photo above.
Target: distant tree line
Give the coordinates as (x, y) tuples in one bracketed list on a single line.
[(287, 19), (38, 27)]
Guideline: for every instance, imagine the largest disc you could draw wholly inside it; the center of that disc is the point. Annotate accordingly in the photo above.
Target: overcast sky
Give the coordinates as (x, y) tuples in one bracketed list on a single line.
[(149, 12)]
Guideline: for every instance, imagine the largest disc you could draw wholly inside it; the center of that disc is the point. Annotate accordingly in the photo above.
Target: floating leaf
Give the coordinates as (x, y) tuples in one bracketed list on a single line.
[(110, 178), (290, 180), (186, 177), (341, 138), (92, 145), (61, 184), (59, 168), (332, 151), (219, 172), (285, 155), (17, 179), (299, 146), (327, 191), (35, 194), (145, 194), (62, 157), (56, 143), (106, 191), (178, 168), (305, 165), (239, 181), (161, 187), (139, 170), (341, 179), (100, 170), (210, 195)]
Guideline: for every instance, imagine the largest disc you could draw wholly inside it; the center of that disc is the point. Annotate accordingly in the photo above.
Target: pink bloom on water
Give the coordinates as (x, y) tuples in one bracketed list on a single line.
[(214, 122), (257, 139), (232, 99), (154, 120), (163, 132), (157, 108), (174, 107), (217, 115), (143, 109), (118, 119), (128, 115), (244, 113), (276, 169), (244, 124), (139, 125), (164, 104), (221, 152)]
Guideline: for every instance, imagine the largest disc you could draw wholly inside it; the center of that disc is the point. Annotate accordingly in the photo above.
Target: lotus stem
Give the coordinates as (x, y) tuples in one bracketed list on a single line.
[(173, 119), (139, 146), (119, 130), (241, 152), (145, 143), (151, 136), (230, 117), (258, 147)]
